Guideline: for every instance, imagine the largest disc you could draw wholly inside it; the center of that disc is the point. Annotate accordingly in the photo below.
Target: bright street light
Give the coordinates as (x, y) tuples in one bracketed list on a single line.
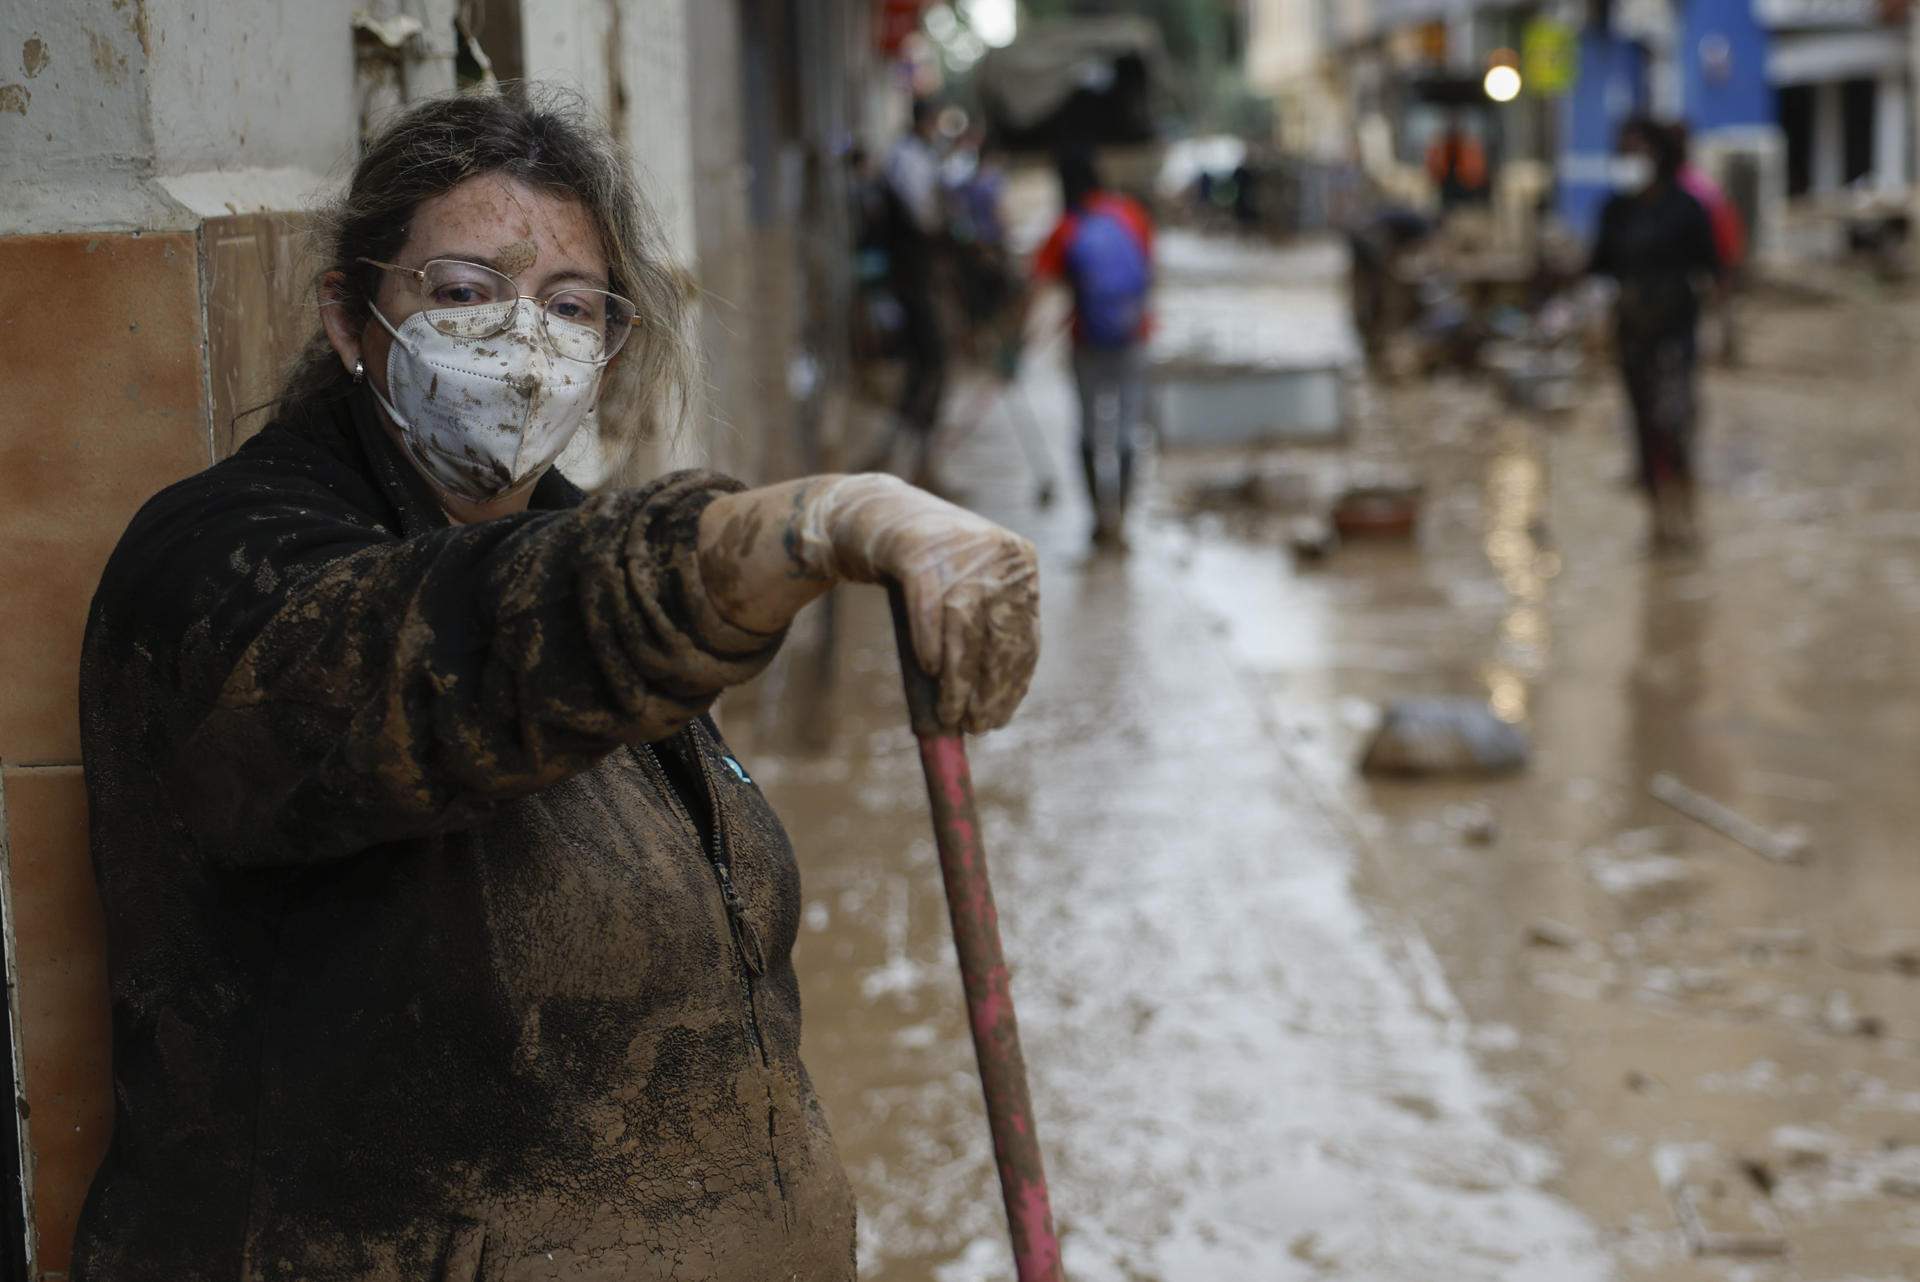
[(1502, 83)]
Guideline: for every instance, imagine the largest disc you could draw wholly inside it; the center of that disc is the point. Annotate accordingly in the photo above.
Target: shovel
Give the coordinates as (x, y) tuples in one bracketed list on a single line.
[(983, 970)]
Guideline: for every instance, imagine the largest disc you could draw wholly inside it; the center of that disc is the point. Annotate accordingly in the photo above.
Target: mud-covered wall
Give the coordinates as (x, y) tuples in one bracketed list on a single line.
[(105, 402)]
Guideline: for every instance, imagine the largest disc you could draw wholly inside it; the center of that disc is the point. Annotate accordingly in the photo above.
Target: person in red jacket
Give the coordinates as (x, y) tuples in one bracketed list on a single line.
[(1102, 248), (1729, 238)]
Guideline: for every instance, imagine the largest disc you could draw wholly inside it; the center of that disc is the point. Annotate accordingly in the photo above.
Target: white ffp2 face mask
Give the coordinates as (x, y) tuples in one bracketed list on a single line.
[(483, 417), (1632, 172)]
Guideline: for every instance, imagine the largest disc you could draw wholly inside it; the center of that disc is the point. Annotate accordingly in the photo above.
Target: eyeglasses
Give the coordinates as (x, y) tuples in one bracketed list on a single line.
[(467, 300)]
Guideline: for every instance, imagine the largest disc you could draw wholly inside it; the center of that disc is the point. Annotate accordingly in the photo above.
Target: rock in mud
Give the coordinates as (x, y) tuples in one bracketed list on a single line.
[(1421, 738)]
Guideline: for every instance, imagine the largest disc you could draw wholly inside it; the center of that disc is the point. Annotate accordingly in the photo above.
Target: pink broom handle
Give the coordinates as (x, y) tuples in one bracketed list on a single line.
[(983, 970)]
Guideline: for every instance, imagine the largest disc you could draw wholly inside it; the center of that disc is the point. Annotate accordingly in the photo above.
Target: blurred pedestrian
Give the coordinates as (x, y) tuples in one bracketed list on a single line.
[(976, 183), (875, 323), (1102, 248), (1729, 240), (916, 231), (1656, 242), (1457, 166), (1378, 240)]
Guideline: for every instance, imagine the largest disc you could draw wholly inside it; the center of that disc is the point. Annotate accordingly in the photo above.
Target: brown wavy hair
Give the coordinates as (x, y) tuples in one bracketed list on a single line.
[(548, 139)]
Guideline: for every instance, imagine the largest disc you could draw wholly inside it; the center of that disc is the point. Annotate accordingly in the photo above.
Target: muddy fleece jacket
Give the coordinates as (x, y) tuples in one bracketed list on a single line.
[(421, 966)]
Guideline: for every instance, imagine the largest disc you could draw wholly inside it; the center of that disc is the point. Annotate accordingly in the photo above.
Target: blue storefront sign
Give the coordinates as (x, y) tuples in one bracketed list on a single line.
[(1611, 86), (1723, 66)]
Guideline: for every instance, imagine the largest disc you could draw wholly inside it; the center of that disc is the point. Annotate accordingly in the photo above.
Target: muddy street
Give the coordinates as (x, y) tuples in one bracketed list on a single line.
[(1287, 1023)]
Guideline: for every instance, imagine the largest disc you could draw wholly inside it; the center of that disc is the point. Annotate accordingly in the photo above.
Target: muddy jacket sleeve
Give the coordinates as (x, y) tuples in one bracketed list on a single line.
[(338, 687)]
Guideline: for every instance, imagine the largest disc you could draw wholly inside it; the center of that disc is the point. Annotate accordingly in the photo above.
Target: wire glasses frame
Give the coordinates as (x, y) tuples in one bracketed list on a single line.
[(473, 301)]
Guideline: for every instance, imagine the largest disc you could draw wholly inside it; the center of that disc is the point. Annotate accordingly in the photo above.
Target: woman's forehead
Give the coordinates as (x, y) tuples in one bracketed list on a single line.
[(510, 224)]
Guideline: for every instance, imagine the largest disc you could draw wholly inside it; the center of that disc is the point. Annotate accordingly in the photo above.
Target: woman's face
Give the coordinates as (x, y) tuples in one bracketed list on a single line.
[(542, 241)]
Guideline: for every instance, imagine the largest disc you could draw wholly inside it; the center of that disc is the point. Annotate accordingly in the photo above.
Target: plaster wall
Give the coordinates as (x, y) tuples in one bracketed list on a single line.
[(250, 86), (123, 115), (76, 137)]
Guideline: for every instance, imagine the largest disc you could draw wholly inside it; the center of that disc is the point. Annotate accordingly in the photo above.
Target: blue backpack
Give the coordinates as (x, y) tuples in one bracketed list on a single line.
[(1110, 280)]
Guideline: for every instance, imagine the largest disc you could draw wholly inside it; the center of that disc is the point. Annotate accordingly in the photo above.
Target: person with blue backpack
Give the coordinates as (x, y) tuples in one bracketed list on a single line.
[(1102, 249)]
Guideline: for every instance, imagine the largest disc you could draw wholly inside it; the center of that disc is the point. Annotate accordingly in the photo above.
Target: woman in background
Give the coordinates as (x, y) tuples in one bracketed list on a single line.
[(1657, 243)]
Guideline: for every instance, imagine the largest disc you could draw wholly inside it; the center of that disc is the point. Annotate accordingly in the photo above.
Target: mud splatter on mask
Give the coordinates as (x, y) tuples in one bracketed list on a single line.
[(483, 417)]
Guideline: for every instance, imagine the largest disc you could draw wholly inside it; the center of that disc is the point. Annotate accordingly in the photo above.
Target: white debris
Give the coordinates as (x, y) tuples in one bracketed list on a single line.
[(1645, 882), (1805, 1145), (1784, 846), (1839, 1017)]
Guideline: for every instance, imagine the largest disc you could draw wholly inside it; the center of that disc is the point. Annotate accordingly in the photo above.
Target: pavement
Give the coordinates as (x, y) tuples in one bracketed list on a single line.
[(1284, 1023)]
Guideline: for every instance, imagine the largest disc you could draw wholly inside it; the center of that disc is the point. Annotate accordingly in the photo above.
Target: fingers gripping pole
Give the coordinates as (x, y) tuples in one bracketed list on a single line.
[(983, 971)]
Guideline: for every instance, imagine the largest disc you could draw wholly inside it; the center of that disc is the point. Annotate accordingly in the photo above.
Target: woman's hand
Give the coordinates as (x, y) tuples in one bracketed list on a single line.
[(971, 587)]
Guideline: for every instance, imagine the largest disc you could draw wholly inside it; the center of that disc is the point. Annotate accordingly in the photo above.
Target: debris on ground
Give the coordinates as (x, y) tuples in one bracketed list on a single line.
[(1902, 1178), (1311, 538), (1545, 932), (1722, 1209), (1839, 1017), (1643, 883), (1377, 510), (1540, 379), (1458, 735), (1677, 982), (1805, 1146), (1251, 487), (1781, 847), (1898, 954), (1473, 823), (1763, 943)]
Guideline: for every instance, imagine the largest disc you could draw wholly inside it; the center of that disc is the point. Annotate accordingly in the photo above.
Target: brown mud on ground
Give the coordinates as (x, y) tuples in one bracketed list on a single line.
[(1285, 1023)]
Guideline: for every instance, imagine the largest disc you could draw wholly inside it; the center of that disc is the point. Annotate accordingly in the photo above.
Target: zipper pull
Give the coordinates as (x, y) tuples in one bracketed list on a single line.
[(750, 950)]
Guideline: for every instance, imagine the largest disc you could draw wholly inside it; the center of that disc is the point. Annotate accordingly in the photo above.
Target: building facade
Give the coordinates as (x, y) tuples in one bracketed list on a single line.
[(1784, 99)]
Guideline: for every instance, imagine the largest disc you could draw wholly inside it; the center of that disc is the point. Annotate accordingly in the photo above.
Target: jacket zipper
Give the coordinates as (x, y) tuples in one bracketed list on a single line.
[(746, 940)]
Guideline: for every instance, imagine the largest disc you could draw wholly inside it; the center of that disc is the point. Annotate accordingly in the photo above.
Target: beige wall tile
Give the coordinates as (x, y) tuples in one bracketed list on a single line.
[(260, 309), (66, 1040), (100, 359)]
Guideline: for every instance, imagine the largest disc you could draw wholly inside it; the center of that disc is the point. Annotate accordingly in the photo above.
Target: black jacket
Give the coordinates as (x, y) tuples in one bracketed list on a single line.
[(1657, 244), (421, 968)]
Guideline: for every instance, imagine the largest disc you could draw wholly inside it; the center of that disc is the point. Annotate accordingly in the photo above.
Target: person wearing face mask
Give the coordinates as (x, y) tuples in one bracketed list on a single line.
[(447, 937), (1656, 242)]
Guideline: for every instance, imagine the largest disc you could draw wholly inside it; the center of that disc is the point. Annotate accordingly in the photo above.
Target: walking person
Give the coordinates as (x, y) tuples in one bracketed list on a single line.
[(1656, 242), (446, 937), (1102, 248), (917, 230)]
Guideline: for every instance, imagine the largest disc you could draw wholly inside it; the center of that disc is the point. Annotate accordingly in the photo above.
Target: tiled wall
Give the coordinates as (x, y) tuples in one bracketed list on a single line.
[(105, 368)]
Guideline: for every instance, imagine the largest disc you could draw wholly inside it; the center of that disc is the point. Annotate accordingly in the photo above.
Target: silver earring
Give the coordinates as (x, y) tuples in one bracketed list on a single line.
[(359, 370)]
